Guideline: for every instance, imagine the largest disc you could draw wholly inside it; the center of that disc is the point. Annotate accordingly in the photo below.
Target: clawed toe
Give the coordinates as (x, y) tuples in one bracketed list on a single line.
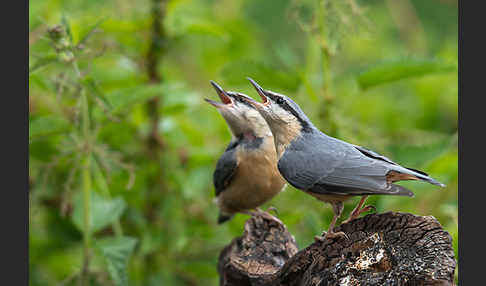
[(270, 217), (330, 235), (367, 208), (356, 214)]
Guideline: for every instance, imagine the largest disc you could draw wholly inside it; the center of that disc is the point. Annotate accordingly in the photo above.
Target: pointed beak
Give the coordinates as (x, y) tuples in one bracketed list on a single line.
[(225, 99), (215, 103), (261, 92)]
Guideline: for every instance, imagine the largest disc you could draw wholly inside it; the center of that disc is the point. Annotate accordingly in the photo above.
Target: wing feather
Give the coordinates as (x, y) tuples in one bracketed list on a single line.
[(322, 164), (225, 170)]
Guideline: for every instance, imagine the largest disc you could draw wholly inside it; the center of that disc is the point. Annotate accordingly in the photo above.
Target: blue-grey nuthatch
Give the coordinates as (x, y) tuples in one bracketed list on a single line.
[(325, 167), (246, 175)]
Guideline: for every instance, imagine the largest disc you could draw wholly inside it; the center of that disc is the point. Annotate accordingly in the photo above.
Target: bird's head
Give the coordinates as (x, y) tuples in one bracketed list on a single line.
[(279, 110), (241, 116), (284, 117)]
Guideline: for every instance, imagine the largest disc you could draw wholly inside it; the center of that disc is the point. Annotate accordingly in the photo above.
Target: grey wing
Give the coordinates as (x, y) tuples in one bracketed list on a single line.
[(329, 166), (225, 170), (305, 161)]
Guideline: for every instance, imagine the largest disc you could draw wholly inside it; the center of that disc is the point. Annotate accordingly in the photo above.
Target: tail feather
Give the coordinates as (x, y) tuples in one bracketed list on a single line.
[(428, 179), (398, 190), (418, 171), (422, 176)]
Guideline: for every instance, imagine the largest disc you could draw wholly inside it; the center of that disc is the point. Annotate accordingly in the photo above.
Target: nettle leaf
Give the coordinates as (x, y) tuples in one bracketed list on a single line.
[(91, 30), (67, 27), (103, 212), (48, 125), (416, 156), (90, 84), (43, 62), (204, 28), (117, 252), (400, 69), (127, 97), (236, 73)]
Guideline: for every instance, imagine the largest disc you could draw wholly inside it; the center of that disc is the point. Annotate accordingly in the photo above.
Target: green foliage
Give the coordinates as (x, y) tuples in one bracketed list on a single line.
[(125, 98), (103, 211), (401, 69), (116, 252), (138, 153), (42, 62), (47, 125)]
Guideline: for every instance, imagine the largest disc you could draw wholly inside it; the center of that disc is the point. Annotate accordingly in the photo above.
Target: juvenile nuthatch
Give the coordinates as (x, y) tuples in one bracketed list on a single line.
[(246, 175), (325, 167)]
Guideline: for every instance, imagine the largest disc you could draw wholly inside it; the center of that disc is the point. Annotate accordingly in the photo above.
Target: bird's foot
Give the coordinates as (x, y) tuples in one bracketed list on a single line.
[(355, 215), (329, 235), (274, 209), (271, 218), (266, 215)]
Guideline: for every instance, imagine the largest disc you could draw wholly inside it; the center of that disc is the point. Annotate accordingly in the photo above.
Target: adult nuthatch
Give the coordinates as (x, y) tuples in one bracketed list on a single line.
[(246, 175), (325, 167)]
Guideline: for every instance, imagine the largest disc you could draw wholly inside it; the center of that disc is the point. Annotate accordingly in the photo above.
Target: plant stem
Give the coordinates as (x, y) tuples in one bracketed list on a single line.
[(103, 186), (86, 175), (153, 59), (154, 142), (326, 68)]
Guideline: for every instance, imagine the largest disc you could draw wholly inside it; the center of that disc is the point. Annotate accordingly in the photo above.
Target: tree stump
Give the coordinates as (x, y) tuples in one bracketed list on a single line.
[(381, 249)]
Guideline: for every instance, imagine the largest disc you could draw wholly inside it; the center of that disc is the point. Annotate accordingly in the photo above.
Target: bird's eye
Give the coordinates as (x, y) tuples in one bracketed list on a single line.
[(280, 100)]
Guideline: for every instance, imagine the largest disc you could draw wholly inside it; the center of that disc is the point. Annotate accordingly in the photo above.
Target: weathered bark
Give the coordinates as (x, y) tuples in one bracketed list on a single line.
[(381, 249)]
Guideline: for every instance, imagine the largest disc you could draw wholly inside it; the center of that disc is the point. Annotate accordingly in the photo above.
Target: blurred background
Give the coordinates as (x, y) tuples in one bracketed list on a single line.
[(118, 125)]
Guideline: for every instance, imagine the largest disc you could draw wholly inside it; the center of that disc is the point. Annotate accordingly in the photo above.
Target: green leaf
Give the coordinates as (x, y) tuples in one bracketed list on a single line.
[(418, 155), (67, 27), (47, 125), (90, 31), (42, 62), (90, 84), (401, 69), (205, 28), (117, 251), (235, 73), (103, 211), (125, 98)]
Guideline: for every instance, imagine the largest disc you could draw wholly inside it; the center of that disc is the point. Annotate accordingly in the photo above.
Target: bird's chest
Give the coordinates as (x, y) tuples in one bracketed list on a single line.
[(259, 169), (256, 180)]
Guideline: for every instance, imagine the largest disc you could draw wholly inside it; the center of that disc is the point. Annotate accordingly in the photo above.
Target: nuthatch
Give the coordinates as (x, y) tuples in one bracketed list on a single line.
[(246, 175), (325, 167)]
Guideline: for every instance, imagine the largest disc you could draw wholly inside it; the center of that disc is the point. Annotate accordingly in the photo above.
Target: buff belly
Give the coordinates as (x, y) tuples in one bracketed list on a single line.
[(255, 182)]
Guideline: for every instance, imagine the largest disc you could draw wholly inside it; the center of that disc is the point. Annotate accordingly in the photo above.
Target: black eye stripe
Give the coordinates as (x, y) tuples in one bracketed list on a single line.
[(282, 102)]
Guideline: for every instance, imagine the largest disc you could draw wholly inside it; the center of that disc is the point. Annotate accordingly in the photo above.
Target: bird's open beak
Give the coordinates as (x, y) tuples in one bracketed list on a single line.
[(225, 99), (261, 92), (214, 103)]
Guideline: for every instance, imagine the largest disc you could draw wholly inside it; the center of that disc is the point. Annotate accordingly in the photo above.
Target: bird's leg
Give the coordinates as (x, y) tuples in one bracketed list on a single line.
[(337, 207), (359, 209)]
